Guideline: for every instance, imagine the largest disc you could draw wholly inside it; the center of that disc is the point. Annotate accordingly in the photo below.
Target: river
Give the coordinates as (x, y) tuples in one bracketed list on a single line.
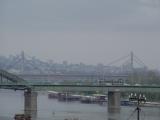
[(12, 102)]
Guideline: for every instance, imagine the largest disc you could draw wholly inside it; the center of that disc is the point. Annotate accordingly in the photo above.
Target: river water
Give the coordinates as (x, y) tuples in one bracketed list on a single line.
[(12, 102)]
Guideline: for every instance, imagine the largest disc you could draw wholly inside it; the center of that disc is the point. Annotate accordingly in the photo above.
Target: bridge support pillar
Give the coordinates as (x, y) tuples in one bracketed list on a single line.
[(114, 101), (30, 104)]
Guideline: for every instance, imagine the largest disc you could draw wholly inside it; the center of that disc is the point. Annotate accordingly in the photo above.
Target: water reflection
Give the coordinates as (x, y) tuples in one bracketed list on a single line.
[(114, 115)]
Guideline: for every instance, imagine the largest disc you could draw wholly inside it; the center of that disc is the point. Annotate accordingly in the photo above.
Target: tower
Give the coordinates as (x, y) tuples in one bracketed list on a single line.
[(22, 62)]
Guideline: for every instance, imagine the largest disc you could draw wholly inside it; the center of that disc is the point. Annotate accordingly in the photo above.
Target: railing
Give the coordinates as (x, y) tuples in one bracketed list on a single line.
[(104, 88)]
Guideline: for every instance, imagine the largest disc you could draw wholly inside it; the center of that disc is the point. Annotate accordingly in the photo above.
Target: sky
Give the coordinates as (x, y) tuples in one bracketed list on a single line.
[(88, 31)]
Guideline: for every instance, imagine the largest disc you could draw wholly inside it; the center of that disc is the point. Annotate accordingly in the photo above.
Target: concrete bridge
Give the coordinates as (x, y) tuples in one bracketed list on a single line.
[(10, 81)]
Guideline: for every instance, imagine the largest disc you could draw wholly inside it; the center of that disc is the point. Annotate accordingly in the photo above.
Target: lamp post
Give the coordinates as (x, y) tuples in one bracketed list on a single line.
[(139, 99)]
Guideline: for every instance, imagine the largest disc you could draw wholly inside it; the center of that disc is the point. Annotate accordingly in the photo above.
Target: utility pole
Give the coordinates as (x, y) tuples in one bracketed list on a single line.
[(139, 99), (138, 110)]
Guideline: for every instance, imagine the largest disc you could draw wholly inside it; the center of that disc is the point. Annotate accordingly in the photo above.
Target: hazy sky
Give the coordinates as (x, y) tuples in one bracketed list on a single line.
[(89, 31)]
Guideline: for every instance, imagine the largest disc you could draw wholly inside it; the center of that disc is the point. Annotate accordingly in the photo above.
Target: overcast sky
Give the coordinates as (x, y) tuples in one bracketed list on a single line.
[(88, 31)]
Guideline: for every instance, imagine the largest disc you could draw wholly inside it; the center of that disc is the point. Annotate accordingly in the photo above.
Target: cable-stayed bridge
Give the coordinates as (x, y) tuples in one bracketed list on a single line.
[(24, 63), (117, 70)]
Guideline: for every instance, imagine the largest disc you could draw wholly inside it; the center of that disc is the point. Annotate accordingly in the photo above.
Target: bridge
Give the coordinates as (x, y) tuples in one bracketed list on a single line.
[(10, 78), (71, 77), (10, 81), (83, 88)]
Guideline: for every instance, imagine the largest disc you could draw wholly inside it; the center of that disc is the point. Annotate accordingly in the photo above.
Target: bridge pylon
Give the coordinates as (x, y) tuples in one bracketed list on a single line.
[(30, 103)]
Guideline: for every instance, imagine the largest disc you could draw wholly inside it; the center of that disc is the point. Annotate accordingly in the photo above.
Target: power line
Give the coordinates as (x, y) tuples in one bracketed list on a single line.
[(131, 115), (115, 61), (140, 60)]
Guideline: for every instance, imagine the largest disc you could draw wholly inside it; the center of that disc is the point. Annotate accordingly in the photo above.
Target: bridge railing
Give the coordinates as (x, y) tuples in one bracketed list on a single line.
[(11, 77)]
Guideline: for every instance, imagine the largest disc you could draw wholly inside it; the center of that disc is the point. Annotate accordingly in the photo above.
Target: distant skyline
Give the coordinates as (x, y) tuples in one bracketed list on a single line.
[(88, 31)]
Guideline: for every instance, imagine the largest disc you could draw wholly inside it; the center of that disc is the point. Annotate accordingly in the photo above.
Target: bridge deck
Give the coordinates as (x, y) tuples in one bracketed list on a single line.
[(104, 88)]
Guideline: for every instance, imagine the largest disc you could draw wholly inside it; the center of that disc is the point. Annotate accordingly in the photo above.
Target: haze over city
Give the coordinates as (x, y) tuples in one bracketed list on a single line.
[(87, 31), (80, 59)]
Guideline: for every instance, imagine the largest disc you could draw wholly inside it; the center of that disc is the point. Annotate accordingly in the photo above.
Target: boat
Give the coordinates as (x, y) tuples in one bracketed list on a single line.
[(52, 94), (151, 104), (22, 117), (126, 103), (100, 97), (88, 99), (68, 97)]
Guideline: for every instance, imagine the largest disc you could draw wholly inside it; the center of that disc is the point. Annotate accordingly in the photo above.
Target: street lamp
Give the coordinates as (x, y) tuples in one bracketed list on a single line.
[(139, 99)]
